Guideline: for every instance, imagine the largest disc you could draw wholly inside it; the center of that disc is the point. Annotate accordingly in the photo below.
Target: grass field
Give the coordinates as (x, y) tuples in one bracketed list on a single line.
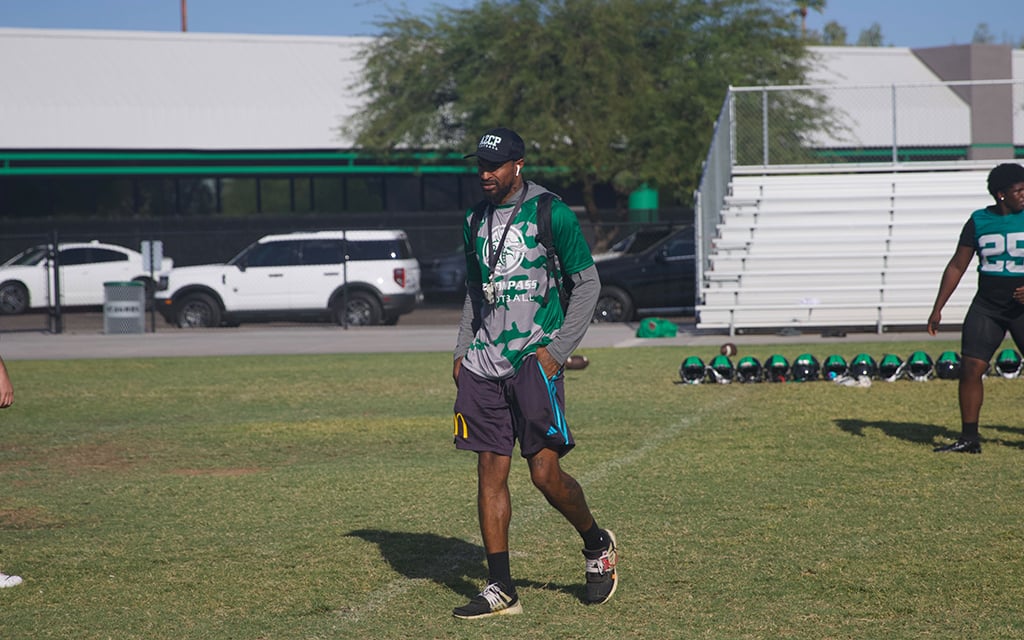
[(320, 497)]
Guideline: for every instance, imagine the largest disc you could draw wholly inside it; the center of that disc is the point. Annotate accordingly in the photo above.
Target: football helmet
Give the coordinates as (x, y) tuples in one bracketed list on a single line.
[(776, 369), (863, 365), (721, 369), (1008, 363), (748, 369), (891, 367), (692, 370), (920, 366), (835, 366), (947, 367), (805, 368)]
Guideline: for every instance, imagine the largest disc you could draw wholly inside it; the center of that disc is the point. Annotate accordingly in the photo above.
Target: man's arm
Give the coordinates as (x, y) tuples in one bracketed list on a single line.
[(6, 388), (582, 301)]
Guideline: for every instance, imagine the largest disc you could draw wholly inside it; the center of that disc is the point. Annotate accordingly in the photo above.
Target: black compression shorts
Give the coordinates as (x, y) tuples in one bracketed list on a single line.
[(986, 325)]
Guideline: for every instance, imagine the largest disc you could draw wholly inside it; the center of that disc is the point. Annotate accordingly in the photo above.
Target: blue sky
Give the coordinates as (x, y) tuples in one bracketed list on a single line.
[(909, 23)]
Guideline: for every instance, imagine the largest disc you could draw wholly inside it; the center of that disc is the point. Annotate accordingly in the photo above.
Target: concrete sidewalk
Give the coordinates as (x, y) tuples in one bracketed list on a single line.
[(312, 339)]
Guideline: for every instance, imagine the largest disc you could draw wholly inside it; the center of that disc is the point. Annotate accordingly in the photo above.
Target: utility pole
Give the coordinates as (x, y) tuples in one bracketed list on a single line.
[(184, 16)]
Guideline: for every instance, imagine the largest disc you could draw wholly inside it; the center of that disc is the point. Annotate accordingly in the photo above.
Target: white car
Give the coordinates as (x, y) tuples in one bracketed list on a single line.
[(348, 277), (27, 280)]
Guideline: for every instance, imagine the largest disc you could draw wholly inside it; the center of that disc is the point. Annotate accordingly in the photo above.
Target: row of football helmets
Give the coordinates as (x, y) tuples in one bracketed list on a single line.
[(918, 366)]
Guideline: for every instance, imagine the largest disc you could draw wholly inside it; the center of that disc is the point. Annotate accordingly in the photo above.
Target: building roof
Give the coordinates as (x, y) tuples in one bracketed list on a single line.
[(71, 89), (126, 90)]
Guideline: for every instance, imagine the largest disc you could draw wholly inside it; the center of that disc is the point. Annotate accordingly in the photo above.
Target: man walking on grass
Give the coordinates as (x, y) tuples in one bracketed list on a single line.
[(514, 338)]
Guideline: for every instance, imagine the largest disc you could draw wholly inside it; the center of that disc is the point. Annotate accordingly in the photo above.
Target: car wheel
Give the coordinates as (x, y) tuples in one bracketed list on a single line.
[(613, 305), (198, 310), (13, 298), (362, 310)]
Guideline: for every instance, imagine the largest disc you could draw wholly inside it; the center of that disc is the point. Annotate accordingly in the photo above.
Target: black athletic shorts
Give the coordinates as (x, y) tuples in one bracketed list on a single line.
[(491, 415), (986, 325)]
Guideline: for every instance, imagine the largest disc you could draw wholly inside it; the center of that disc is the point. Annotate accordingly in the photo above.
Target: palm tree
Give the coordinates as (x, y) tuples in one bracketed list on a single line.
[(803, 7)]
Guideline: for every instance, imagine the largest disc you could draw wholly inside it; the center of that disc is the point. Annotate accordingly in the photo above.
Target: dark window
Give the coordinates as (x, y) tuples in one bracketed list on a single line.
[(108, 255), (69, 257), (238, 196), (273, 254), (365, 193), (157, 197), (275, 195), (328, 195), (403, 193), (379, 250), (323, 252), (441, 193)]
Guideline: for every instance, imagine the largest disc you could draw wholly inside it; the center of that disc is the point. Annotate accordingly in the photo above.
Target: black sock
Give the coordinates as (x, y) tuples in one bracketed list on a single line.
[(969, 431), (594, 538), (499, 571)]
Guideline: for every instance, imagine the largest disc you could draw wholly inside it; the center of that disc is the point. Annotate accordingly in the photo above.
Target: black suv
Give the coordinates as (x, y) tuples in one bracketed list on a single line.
[(652, 272)]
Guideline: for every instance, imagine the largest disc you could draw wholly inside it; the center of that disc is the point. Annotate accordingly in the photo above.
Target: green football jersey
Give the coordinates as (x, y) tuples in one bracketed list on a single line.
[(526, 312)]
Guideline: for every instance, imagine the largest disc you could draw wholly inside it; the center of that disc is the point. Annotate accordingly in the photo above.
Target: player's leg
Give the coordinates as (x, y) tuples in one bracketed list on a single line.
[(981, 334), (483, 424), (544, 437)]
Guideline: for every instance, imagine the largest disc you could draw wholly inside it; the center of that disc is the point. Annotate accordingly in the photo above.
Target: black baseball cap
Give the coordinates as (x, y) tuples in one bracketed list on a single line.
[(499, 145)]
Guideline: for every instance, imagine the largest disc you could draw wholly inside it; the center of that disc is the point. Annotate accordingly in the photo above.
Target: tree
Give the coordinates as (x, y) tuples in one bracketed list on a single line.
[(620, 92), (870, 37), (833, 34), (803, 7), (982, 35)]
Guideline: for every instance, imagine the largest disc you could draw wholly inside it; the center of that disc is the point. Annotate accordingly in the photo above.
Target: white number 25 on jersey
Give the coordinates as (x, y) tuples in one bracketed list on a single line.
[(994, 244)]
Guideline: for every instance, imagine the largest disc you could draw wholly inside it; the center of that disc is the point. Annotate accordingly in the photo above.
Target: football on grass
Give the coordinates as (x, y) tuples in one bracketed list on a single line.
[(728, 349), (577, 362)]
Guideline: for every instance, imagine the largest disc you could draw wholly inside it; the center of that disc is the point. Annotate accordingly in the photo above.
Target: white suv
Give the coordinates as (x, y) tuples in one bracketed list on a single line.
[(349, 277)]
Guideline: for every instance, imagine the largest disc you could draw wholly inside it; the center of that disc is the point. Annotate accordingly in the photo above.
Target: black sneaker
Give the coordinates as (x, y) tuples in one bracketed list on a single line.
[(492, 601), (960, 446), (602, 578)]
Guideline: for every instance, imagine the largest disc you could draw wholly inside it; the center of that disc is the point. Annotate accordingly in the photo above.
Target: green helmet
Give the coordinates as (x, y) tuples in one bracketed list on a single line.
[(1008, 363), (891, 367), (947, 367), (835, 366), (721, 369), (776, 369), (692, 370), (748, 369), (920, 366), (805, 368), (863, 365)]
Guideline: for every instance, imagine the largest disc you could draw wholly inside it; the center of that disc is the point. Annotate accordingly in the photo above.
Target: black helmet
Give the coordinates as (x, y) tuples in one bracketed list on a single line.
[(920, 366), (947, 367), (1008, 363), (891, 367), (776, 369), (835, 366), (805, 368), (721, 369), (692, 370), (748, 369), (863, 365)]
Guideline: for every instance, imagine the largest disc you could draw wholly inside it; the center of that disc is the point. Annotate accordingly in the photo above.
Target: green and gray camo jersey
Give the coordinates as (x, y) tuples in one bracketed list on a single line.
[(527, 312)]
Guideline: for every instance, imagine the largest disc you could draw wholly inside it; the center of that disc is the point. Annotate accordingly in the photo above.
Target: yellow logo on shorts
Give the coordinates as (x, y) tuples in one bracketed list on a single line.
[(460, 420)]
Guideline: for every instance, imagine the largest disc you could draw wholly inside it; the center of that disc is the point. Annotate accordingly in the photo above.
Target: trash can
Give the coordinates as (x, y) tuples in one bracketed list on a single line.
[(124, 307)]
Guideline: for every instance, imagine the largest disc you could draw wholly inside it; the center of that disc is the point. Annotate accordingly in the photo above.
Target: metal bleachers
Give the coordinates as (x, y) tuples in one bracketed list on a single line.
[(863, 251)]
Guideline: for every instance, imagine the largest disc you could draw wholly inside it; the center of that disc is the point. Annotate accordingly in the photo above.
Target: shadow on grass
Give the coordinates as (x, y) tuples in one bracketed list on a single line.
[(924, 433), (449, 562)]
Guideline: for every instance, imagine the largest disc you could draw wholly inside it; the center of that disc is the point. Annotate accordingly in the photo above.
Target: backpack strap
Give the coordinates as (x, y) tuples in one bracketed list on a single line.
[(546, 238)]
